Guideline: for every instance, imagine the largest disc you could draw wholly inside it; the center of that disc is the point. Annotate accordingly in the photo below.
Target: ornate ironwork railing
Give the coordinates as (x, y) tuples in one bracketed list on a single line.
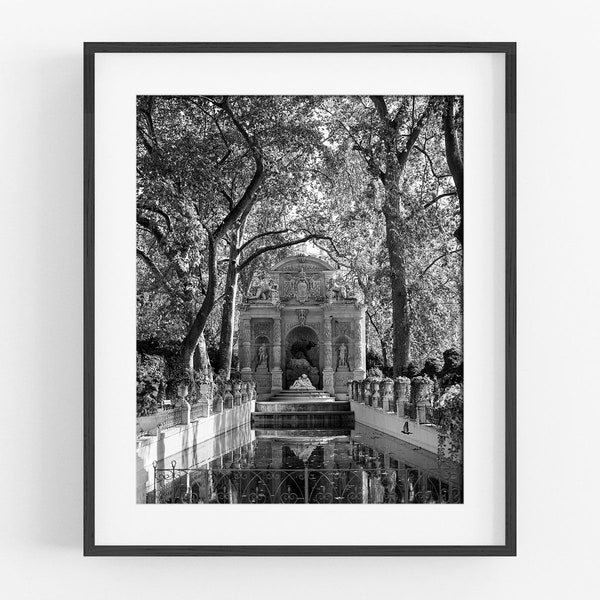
[(305, 486)]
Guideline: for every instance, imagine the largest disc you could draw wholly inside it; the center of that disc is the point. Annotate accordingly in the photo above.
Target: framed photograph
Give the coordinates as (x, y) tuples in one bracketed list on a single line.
[(300, 302)]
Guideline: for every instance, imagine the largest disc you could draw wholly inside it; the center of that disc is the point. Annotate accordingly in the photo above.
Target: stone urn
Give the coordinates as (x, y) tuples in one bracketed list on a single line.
[(237, 393), (227, 395), (387, 394), (420, 389), (375, 393), (401, 394), (366, 391), (183, 390)]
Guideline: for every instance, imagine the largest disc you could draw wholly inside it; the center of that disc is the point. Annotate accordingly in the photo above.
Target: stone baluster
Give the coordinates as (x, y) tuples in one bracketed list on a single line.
[(387, 394), (375, 395), (401, 394), (366, 390), (237, 393), (421, 388), (252, 395), (185, 412), (204, 398), (244, 391), (218, 399), (227, 396)]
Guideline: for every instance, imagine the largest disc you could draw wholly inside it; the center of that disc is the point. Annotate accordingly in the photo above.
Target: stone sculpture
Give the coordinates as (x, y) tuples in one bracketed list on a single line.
[(343, 355), (264, 290), (335, 290), (302, 383), (263, 356)]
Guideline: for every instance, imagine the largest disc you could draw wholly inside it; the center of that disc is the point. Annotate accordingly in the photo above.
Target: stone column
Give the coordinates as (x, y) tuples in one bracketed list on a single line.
[(276, 371), (359, 343), (244, 348), (328, 385)]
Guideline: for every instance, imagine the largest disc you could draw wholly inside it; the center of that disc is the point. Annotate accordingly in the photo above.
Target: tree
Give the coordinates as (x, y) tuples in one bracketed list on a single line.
[(226, 185), (415, 200)]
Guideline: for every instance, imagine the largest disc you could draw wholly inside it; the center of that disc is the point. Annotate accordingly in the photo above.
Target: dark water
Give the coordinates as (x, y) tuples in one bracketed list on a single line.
[(359, 466)]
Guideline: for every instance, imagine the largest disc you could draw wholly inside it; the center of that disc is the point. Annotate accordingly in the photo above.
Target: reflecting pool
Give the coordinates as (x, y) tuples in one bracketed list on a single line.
[(308, 466)]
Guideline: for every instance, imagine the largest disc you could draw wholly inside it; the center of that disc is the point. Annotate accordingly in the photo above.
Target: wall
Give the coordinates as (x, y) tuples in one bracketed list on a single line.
[(191, 444), (421, 435), (41, 299)]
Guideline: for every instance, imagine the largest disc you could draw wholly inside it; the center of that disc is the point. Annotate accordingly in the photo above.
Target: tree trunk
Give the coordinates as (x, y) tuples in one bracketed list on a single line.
[(395, 233), (395, 161), (228, 316), (197, 329), (454, 158), (201, 360)]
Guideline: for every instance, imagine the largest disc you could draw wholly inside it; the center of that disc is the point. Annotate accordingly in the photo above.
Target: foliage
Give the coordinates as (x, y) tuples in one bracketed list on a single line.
[(150, 383), (411, 370), (452, 371), (374, 359), (194, 164), (374, 373), (450, 431)]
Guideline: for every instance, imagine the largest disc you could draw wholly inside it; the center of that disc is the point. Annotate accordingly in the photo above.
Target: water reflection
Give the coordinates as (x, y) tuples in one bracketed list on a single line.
[(359, 466)]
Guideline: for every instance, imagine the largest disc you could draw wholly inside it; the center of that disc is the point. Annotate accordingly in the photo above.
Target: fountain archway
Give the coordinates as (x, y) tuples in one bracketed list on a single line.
[(302, 356)]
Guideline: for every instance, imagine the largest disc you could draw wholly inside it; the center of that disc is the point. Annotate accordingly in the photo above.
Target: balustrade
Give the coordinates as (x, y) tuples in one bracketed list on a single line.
[(401, 397)]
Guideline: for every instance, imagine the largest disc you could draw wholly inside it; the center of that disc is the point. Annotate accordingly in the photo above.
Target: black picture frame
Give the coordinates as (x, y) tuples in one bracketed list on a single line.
[(509, 50)]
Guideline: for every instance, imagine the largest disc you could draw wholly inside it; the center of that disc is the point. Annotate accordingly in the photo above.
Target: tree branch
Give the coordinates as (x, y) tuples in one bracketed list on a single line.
[(438, 259), (425, 153), (261, 235), (381, 108), (256, 254), (416, 131), (160, 212), (439, 197), (249, 194), (151, 226), (157, 272)]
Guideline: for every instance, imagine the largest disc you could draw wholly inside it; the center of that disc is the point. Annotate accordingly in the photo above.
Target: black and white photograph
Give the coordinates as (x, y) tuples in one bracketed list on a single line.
[(299, 299)]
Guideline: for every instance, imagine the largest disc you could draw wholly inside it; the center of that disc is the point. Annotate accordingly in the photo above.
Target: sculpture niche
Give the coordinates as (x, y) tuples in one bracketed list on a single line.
[(300, 364)]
